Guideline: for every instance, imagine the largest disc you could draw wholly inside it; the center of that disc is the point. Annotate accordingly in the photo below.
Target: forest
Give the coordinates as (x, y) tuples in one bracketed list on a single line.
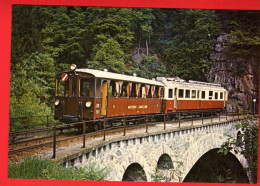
[(149, 42)]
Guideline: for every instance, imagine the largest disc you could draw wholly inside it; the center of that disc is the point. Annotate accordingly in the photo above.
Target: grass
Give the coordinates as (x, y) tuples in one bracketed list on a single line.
[(37, 168)]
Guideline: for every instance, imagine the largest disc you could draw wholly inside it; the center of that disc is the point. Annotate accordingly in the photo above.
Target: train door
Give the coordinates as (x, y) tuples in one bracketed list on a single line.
[(72, 101), (175, 99), (104, 98)]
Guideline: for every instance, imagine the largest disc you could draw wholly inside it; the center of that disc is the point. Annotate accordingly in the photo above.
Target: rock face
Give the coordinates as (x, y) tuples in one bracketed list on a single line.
[(239, 76)]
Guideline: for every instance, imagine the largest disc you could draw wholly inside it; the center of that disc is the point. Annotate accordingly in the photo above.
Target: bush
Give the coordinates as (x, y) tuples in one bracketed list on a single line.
[(38, 168)]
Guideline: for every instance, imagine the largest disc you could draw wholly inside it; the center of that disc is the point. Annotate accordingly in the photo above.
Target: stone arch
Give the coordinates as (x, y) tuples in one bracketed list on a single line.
[(202, 146), (134, 172), (215, 167), (165, 162), (239, 137), (197, 149), (164, 170)]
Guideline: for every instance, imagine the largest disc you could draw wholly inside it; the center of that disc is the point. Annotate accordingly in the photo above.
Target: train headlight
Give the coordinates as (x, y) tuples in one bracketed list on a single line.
[(73, 67), (88, 104), (57, 102)]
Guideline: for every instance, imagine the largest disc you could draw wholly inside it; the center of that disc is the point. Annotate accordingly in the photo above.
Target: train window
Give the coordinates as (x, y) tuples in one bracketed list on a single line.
[(203, 94), (73, 82), (87, 87), (62, 87), (216, 95), (98, 88), (221, 95), (119, 85), (129, 89), (133, 92), (210, 94), (143, 91), (124, 89), (112, 89), (148, 91), (187, 93), (136, 89), (153, 88), (193, 94), (156, 92), (181, 92), (170, 93)]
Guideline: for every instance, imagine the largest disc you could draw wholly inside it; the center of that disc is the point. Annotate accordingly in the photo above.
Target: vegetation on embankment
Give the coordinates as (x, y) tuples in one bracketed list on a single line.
[(38, 168)]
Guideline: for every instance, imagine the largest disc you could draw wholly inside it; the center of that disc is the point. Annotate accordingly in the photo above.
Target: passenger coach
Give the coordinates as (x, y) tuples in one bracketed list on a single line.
[(181, 96), (92, 94)]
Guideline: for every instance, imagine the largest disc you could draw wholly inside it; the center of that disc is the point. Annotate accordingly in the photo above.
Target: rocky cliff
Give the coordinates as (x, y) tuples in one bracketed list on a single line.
[(239, 76)]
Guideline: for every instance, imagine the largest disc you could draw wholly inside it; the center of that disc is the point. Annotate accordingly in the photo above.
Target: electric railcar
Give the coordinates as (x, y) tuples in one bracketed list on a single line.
[(180, 95), (86, 94)]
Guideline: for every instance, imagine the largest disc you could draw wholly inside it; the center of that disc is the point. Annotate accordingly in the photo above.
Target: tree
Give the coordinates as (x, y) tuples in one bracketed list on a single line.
[(194, 36), (150, 67), (109, 26), (32, 87), (109, 56), (106, 23), (35, 74), (65, 37), (142, 26)]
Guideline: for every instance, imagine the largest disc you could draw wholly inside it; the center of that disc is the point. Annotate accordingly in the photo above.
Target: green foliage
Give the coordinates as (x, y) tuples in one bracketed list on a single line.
[(172, 173), (109, 56), (246, 144), (142, 25), (106, 23), (243, 47), (143, 22), (38, 168), (32, 88), (40, 69), (150, 67), (227, 178), (243, 39), (194, 36), (64, 37), (29, 105)]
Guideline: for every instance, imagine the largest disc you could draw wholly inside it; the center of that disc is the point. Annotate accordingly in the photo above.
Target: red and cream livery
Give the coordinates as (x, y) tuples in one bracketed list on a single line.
[(92, 94), (180, 95), (86, 94)]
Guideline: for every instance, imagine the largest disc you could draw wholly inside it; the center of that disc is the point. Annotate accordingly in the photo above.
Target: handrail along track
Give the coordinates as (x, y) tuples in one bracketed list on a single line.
[(51, 135)]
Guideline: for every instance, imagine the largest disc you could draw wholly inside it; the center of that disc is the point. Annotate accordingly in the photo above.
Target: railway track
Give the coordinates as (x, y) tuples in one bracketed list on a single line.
[(35, 141)]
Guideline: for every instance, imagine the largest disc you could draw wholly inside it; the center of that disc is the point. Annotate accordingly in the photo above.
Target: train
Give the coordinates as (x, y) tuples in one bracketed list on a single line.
[(89, 94)]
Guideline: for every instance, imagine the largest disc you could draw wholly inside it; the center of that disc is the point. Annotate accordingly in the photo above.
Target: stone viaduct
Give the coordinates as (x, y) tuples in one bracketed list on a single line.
[(183, 146)]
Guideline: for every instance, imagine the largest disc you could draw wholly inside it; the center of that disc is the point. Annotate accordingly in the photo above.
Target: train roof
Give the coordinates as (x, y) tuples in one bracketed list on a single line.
[(178, 82), (116, 76)]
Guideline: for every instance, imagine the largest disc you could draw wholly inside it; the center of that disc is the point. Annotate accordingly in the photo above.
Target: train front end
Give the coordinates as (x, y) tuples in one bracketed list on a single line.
[(75, 97)]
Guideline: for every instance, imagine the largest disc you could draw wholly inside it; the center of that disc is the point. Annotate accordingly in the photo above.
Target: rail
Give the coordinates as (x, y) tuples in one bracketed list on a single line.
[(55, 133)]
